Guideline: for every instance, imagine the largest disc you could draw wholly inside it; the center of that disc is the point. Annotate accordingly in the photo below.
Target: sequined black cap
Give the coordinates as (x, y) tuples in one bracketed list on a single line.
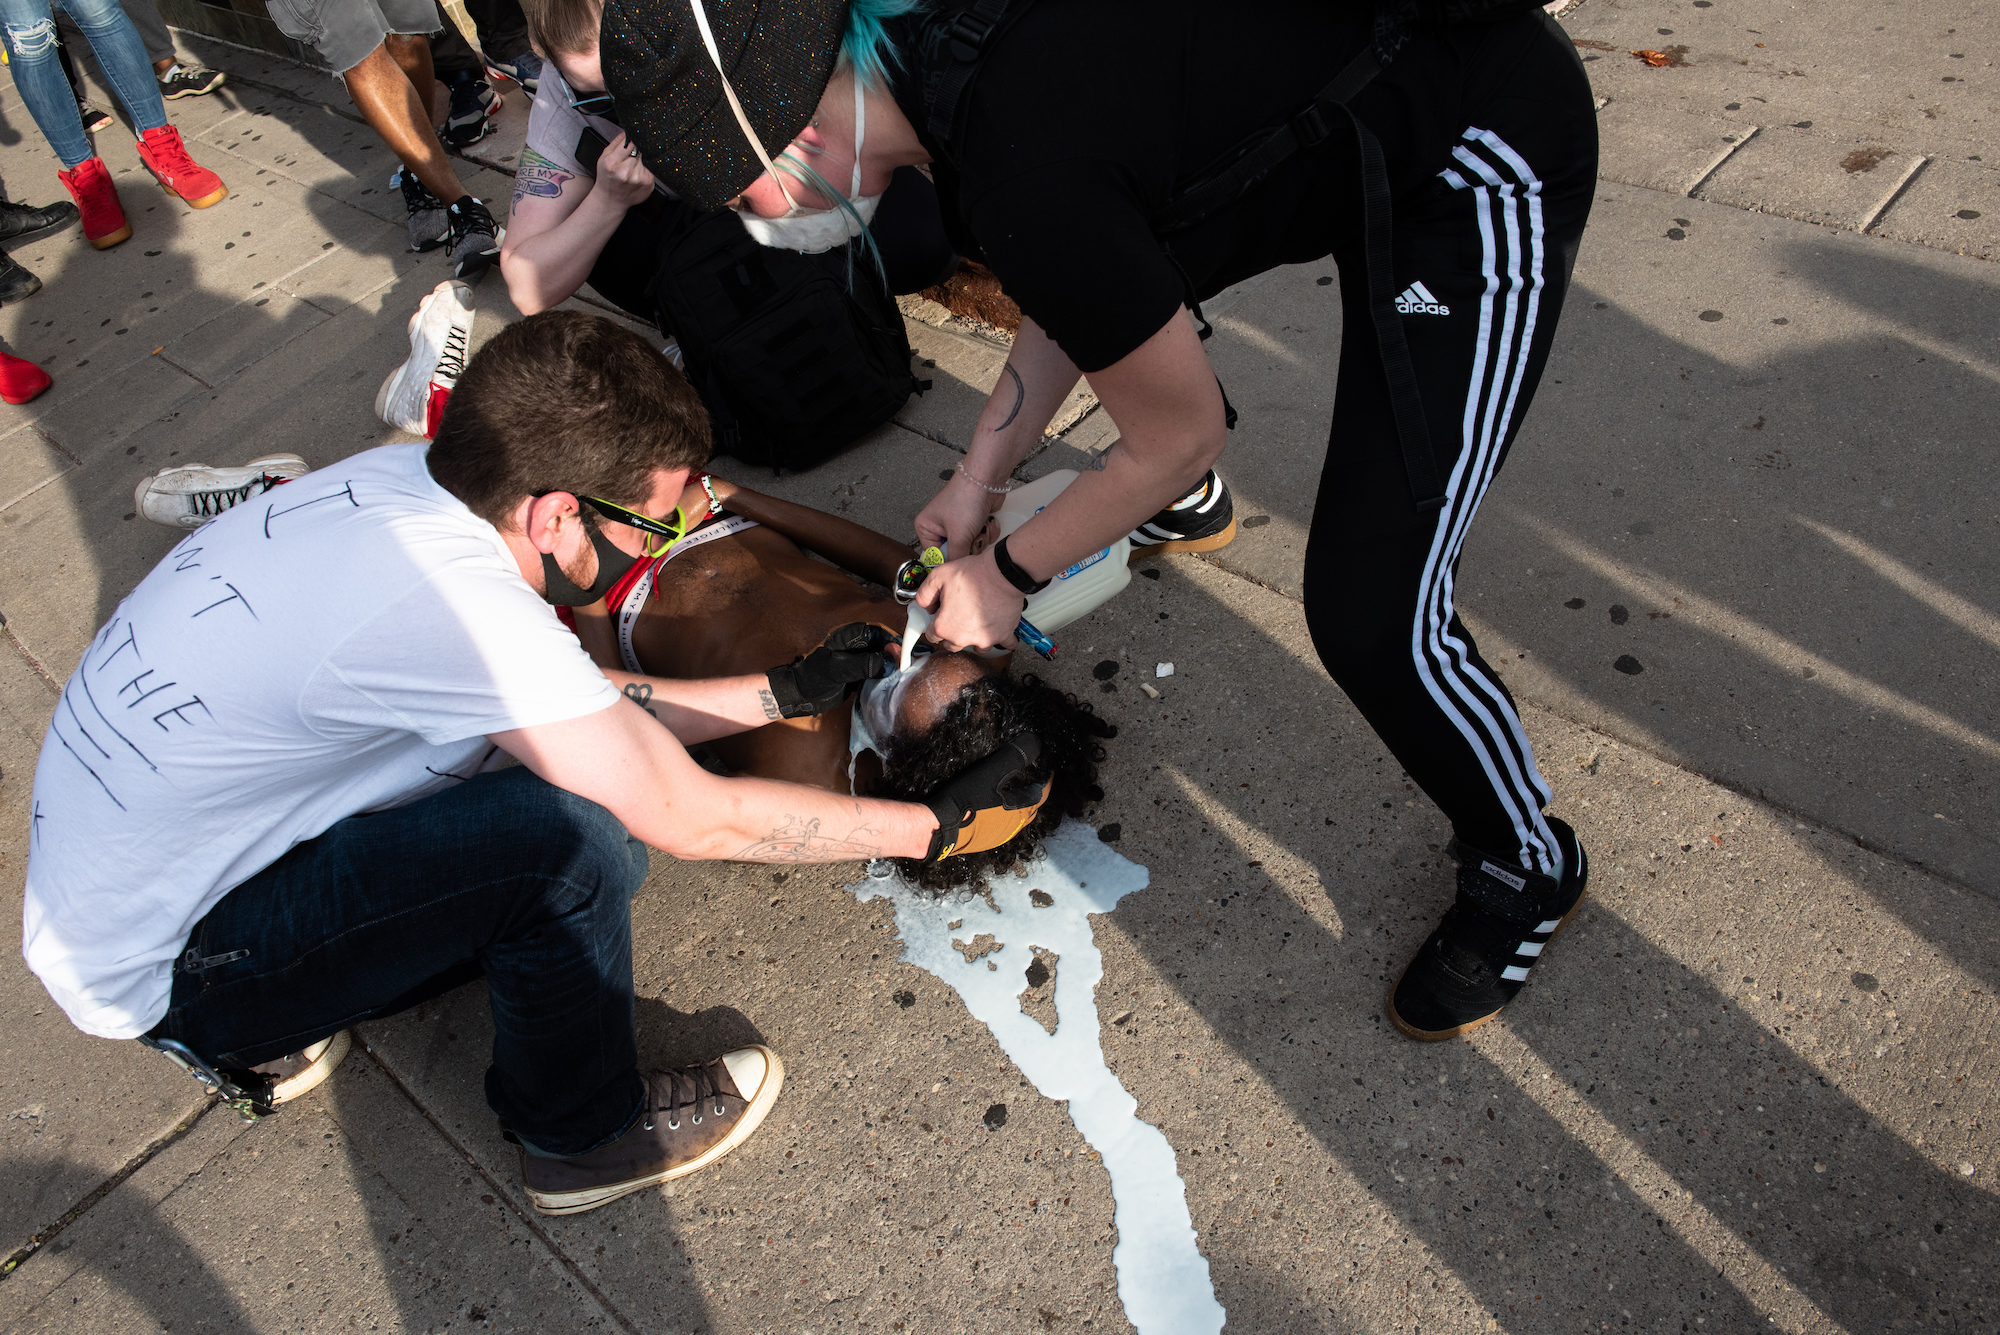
[(779, 55)]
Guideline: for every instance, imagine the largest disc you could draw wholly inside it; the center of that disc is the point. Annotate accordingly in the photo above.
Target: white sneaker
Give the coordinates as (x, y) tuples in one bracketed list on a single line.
[(412, 399), (189, 496)]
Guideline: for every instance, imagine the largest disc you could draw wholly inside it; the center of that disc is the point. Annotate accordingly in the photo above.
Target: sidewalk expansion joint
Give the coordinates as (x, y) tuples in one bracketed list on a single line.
[(1902, 188), (1694, 191), (104, 1188), (48, 678), (502, 1192), (183, 370)]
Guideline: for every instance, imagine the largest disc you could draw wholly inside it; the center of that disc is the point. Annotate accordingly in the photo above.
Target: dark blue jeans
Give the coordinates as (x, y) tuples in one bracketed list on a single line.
[(503, 875)]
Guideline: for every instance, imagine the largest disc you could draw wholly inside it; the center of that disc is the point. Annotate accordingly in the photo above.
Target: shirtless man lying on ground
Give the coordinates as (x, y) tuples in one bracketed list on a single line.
[(740, 589)]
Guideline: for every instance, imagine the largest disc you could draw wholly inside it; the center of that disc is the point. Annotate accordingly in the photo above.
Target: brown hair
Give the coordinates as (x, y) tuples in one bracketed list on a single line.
[(563, 27), (564, 401)]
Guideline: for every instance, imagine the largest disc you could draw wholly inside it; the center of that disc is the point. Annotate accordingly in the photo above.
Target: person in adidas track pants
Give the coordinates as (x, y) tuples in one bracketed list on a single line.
[(1484, 246)]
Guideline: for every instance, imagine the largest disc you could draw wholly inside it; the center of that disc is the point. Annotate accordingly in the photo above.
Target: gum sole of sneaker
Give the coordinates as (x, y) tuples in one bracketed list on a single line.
[(1409, 1030), (575, 1202), (215, 196), (110, 239), (1207, 544), (314, 1075)]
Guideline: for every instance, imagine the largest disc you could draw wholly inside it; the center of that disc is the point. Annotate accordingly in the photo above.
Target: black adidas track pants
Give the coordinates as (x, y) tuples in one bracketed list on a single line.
[(1502, 122)]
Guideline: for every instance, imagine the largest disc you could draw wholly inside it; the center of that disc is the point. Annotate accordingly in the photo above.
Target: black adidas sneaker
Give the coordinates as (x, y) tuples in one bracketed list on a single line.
[(1200, 521), (1479, 957)]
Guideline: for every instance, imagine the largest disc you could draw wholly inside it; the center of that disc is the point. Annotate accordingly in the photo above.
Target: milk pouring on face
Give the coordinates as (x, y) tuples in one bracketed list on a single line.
[(1082, 586)]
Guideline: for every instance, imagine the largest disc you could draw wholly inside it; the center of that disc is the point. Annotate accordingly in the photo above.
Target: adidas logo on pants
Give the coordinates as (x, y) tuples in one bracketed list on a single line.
[(1417, 300)]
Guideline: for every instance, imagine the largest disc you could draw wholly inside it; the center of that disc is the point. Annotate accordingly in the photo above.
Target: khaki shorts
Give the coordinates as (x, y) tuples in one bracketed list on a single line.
[(344, 32)]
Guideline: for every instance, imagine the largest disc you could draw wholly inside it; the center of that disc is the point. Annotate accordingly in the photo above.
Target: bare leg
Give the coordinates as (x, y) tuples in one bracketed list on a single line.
[(385, 86)]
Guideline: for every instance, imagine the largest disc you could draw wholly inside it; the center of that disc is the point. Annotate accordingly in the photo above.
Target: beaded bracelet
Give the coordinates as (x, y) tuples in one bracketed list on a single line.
[(991, 491), (708, 485)]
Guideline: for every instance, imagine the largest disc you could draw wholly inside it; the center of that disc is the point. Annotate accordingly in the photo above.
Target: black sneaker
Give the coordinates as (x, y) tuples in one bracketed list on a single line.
[(1479, 957), (15, 281), (93, 119), (430, 220), (19, 221), (474, 241), (690, 1119), (190, 81), (1200, 521), (473, 105)]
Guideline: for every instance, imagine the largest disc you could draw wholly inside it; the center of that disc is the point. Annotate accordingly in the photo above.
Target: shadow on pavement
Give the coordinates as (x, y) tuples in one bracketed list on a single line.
[(146, 1269), (1711, 1180)]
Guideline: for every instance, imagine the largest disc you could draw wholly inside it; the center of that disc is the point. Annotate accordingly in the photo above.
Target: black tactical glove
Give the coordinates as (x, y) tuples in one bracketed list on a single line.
[(829, 674), (989, 801)]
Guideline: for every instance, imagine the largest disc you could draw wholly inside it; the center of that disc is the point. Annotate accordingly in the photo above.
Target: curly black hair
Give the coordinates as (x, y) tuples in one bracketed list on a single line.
[(969, 729)]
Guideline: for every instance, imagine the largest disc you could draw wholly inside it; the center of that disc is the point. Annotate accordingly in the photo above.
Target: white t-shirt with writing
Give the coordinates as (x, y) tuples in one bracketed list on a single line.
[(343, 643)]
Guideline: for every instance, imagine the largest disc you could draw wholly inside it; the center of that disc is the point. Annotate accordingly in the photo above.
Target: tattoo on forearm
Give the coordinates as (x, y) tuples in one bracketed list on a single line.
[(770, 703), (539, 177), (800, 841), (640, 694), (1020, 396)]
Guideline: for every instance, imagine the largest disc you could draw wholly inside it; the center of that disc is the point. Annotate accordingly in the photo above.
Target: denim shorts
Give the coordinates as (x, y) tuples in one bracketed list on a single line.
[(346, 31)]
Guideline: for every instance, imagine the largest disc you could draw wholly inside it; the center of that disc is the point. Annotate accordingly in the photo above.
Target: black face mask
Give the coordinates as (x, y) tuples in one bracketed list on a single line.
[(611, 567)]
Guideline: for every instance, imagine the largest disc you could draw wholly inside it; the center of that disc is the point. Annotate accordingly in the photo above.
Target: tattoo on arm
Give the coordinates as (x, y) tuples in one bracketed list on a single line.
[(801, 841), (640, 694), (1020, 396), (770, 703), (539, 177)]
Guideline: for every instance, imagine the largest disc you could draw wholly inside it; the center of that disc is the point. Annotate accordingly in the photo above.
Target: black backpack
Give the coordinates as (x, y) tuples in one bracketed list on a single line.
[(792, 363)]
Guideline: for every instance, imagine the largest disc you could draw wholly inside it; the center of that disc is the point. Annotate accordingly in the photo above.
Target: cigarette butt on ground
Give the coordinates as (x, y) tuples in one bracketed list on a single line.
[(1147, 687)]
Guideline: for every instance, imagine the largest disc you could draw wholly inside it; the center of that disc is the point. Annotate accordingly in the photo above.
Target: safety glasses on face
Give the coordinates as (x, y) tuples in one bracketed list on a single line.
[(660, 533)]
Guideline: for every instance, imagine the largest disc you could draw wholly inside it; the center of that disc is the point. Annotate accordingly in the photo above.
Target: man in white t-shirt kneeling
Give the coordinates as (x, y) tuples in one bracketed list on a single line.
[(269, 804)]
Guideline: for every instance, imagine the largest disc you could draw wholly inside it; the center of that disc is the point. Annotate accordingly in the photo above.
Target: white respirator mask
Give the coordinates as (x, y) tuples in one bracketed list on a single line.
[(808, 231)]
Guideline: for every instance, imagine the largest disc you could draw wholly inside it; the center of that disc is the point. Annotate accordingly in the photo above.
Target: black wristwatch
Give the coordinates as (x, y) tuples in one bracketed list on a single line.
[(1014, 575)]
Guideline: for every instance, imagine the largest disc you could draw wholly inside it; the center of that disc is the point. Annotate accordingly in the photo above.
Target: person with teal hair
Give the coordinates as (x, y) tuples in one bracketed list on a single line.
[(1115, 163)]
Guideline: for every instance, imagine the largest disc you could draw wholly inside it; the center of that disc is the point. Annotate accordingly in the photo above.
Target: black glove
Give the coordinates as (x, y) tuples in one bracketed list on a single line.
[(989, 801), (829, 674)]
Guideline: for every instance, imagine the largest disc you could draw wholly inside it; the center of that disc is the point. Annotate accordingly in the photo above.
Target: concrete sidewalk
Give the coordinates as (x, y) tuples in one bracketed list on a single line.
[(1740, 572)]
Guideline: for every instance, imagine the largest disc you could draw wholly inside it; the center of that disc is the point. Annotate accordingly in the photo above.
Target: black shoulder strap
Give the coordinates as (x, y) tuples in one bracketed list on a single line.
[(953, 44), (1303, 131)]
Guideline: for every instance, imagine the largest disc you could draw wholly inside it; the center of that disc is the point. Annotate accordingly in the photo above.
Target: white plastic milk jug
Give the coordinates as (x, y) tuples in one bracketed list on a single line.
[(1082, 586)]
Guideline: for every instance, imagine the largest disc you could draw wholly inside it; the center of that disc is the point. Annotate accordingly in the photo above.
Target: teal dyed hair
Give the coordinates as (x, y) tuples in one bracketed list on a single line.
[(866, 48)]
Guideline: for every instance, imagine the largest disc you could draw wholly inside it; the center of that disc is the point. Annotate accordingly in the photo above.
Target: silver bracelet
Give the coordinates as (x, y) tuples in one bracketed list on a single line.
[(991, 491)]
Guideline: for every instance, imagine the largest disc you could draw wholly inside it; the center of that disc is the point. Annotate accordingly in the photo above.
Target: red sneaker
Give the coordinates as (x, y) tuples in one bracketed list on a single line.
[(89, 184), (21, 380), (167, 157)]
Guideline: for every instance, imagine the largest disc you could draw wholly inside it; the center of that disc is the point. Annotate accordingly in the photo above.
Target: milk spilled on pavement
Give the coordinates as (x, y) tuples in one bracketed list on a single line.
[(1162, 1276)]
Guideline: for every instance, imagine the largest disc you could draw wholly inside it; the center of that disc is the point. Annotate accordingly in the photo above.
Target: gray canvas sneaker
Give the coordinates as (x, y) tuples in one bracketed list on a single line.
[(690, 1119), (429, 223), (474, 240)]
